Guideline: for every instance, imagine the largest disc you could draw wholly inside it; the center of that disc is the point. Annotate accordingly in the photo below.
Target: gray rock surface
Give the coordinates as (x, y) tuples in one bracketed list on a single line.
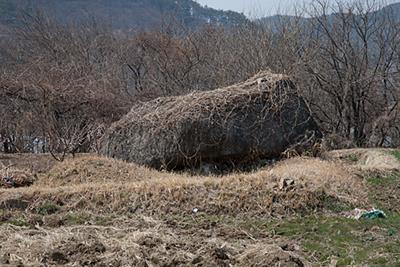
[(260, 117)]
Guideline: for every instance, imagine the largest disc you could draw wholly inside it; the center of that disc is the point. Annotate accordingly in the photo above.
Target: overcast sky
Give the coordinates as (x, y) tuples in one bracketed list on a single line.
[(259, 7)]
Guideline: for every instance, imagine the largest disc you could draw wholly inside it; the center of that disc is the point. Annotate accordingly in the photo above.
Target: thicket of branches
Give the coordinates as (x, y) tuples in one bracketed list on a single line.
[(65, 83)]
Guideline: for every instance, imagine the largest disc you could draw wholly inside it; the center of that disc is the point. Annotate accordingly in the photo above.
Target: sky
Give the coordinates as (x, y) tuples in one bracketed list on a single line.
[(260, 7), (246, 6)]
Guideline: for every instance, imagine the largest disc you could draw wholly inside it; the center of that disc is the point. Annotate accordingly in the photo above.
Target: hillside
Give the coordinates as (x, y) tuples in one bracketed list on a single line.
[(123, 14), (394, 9), (95, 211)]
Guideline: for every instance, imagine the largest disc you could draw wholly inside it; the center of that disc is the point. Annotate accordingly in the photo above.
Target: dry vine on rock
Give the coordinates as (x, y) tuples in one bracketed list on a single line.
[(260, 117)]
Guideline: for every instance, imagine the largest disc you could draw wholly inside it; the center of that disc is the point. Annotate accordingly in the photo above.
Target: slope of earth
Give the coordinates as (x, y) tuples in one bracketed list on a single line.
[(94, 211)]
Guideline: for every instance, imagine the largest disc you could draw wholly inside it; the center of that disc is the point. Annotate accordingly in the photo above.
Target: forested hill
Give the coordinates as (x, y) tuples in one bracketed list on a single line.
[(123, 14), (392, 9)]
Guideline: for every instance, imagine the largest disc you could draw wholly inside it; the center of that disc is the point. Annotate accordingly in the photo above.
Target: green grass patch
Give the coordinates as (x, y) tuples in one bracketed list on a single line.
[(383, 189), (81, 218), (333, 204), (18, 222), (353, 158), (48, 208), (383, 180), (396, 154), (362, 242), (77, 218), (352, 242)]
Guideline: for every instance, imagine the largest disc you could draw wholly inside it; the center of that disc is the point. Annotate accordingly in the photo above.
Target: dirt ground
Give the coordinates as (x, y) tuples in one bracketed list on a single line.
[(94, 211)]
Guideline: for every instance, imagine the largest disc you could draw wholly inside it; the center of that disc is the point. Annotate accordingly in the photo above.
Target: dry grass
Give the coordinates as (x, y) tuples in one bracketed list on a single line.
[(12, 177), (35, 163), (100, 184), (271, 255), (93, 169), (150, 213), (367, 159), (149, 243), (334, 177), (212, 105)]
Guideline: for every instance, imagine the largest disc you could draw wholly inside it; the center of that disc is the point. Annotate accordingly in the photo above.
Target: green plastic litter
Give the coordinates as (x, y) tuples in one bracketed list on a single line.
[(373, 214)]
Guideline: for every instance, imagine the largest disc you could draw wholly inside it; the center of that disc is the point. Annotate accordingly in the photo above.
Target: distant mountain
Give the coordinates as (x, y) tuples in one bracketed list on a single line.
[(273, 21), (395, 9), (124, 14)]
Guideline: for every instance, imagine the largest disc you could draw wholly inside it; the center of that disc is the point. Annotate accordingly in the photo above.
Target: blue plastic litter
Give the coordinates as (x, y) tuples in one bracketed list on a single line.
[(373, 214)]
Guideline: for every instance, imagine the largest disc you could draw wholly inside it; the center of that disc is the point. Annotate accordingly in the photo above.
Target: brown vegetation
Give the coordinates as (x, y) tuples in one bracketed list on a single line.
[(62, 85), (93, 210), (91, 182), (123, 245), (65, 83)]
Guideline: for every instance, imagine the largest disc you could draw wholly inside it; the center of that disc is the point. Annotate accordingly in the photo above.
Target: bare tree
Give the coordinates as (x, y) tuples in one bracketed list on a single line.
[(352, 68), (66, 82)]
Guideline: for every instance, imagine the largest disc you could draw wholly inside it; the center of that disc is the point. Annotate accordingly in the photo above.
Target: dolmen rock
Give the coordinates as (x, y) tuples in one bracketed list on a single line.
[(258, 118)]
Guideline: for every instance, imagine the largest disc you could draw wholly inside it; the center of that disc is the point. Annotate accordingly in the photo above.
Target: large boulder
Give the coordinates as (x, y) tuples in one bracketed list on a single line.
[(260, 117)]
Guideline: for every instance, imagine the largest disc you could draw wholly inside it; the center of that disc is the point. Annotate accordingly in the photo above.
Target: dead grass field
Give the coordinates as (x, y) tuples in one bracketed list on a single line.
[(94, 211)]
